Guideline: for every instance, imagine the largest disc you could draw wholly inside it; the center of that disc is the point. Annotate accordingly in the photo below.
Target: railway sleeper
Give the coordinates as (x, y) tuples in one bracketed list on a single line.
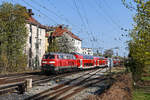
[(22, 88), (5, 91), (19, 87)]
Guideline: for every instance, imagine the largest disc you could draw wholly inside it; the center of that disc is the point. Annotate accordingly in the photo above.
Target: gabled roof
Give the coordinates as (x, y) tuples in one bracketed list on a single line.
[(33, 21), (59, 31), (73, 36)]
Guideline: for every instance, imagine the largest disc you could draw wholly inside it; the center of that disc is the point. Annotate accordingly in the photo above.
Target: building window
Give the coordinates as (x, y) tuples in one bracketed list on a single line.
[(40, 31), (30, 40), (30, 28), (40, 41)]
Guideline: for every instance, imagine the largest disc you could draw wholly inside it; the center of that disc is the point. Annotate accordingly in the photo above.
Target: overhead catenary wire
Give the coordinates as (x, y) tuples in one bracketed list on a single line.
[(108, 18), (56, 14), (122, 35), (112, 20), (107, 11), (84, 20), (80, 15), (78, 12), (36, 9), (101, 14), (40, 12), (87, 21), (53, 12)]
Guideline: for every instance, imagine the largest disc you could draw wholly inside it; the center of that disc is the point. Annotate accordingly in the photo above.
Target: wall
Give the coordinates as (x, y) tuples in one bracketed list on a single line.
[(35, 47)]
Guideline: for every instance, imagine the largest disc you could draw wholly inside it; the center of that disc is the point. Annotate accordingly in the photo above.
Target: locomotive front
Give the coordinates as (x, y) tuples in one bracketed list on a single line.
[(48, 63)]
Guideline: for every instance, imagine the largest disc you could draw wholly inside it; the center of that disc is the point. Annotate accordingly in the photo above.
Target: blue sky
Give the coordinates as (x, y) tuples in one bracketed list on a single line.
[(97, 22)]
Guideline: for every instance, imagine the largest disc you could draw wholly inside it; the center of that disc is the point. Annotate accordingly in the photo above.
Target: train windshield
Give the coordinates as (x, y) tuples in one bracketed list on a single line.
[(49, 57)]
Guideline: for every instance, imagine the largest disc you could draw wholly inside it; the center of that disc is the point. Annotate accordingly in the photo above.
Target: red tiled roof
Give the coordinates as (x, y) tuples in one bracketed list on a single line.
[(47, 35), (35, 22), (59, 31), (73, 36)]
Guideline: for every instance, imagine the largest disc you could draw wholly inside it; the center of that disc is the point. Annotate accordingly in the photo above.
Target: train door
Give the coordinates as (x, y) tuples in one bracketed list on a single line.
[(81, 63), (97, 62)]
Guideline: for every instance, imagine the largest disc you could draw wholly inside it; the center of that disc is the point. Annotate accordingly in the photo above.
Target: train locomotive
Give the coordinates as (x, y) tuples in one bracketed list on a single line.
[(61, 62)]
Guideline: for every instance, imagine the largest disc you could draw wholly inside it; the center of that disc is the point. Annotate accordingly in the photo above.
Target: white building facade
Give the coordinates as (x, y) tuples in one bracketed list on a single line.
[(35, 47), (75, 42), (77, 45)]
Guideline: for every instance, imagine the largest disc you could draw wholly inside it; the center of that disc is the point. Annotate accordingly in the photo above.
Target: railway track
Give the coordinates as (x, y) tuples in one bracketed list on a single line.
[(14, 82), (19, 74), (11, 78), (70, 88), (10, 84)]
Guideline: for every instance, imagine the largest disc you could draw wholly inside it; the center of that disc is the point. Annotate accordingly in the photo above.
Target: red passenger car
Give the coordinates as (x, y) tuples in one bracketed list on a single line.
[(116, 62), (96, 61), (102, 62), (84, 61)]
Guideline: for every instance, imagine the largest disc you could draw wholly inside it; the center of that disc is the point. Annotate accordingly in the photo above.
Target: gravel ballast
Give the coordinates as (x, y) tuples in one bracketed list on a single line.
[(41, 87)]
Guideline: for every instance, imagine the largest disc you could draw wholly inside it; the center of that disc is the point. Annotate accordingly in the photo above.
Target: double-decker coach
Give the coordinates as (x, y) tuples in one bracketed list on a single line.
[(96, 61), (103, 62), (84, 61)]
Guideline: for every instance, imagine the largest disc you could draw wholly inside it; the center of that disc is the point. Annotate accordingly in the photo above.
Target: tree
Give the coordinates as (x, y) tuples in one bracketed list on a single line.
[(61, 44), (53, 45), (97, 53), (139, 45), (13, 36), (66, 44), (108, 53)]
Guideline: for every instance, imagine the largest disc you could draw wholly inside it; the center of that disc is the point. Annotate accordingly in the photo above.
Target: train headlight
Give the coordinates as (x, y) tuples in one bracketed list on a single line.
[(44, 62), (51, 62)]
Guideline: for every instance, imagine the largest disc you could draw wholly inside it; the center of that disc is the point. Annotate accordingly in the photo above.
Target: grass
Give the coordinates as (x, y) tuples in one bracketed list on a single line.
[(146, 78), (118, 69), (140, 95)]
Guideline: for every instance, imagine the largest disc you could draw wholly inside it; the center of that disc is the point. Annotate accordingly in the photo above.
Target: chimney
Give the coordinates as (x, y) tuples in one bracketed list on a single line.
[(60, 26), (30, 12)]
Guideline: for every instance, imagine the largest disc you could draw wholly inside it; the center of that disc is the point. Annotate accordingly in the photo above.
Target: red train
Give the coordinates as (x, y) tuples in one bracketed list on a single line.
[(60, 62)]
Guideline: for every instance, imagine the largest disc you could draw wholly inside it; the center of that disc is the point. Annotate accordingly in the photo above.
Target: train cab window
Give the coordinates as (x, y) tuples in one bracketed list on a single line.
[(68, 57), (60, 56), (49, 57)]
